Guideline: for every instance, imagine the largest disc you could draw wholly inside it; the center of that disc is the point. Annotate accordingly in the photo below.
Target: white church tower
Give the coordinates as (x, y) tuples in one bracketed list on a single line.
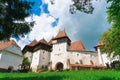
[(59, 54), (100, 57)]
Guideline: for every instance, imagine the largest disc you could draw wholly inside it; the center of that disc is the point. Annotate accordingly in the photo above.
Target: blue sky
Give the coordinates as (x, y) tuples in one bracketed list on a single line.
[(80, 26)]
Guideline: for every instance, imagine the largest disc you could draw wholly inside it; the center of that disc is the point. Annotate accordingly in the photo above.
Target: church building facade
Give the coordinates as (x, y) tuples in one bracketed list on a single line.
[(59, 53)]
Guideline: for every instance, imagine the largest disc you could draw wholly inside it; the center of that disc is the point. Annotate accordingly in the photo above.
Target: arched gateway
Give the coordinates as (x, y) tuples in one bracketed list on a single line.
[(59, 66)]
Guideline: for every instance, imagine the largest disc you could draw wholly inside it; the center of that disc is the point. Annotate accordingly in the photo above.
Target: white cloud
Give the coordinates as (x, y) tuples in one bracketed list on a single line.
[(41, 29), (85, 27)]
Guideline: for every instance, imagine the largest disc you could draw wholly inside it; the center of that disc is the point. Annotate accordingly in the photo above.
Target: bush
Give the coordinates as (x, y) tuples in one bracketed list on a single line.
[(10, 68), (25, 65), (116, 64)]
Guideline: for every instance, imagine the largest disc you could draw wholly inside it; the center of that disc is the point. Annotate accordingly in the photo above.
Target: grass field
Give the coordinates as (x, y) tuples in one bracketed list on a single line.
[(65, 75)]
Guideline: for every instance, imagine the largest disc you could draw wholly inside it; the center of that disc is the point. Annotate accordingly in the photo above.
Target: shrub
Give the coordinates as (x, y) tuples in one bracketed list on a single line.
[(10, 68), (116, 64), (25, 65)]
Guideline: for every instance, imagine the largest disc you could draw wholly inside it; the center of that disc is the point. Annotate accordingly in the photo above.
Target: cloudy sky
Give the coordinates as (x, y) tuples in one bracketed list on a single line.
[(49, 19)]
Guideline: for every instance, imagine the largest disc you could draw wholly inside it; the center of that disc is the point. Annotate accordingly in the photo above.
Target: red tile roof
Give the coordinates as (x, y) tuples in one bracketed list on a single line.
[(5, 44), (88, 66), (33, 43), (50, 42), (43, 41), (99, 44), (61, 34), (77, 46)]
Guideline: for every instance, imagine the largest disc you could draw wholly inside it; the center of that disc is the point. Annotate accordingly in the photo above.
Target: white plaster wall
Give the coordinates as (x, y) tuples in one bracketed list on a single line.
[(109, 59), (59, 54), (105, 58), (35, 60), (29, 55), (14, 49), (10, 59), (75, 57), (40, 58), (60, 47), (44, 58), (94, 58), (59, 57)]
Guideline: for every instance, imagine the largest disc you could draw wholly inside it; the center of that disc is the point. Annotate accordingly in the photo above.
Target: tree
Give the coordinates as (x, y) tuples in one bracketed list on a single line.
[(112, 36), (12, 14), (25, 64), (80, 5)]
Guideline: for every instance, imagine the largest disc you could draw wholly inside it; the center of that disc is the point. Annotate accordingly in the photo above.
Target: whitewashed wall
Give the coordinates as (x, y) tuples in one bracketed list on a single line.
[(85, 57), (60, 47), (59, 54), (44, 58), (35, 60), (105, 58), (29, 55), (40, 59), (10, 59), (109, 59), (14, 49)]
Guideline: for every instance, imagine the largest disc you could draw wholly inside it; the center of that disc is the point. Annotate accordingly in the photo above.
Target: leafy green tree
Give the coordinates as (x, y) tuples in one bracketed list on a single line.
[(25, 61), (111, 38), (12, 14), (80, 5), (25, 64)]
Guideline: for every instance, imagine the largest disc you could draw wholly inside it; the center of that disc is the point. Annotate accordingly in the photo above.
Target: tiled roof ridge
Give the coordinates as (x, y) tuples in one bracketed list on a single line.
[(99, 44), (5, 44), (33, 43), (77, 45), (43, 41), (61, 34)]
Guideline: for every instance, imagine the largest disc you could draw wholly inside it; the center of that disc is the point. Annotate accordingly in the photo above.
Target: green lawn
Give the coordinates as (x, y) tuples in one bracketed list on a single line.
[(65, 75)]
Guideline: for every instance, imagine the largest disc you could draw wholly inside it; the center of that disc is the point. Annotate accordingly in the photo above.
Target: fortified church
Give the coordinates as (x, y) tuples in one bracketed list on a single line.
[(59, 54)]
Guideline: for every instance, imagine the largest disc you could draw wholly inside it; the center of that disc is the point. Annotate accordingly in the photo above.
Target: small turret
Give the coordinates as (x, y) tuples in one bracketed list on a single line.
[(61, 37), (97, 47)]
